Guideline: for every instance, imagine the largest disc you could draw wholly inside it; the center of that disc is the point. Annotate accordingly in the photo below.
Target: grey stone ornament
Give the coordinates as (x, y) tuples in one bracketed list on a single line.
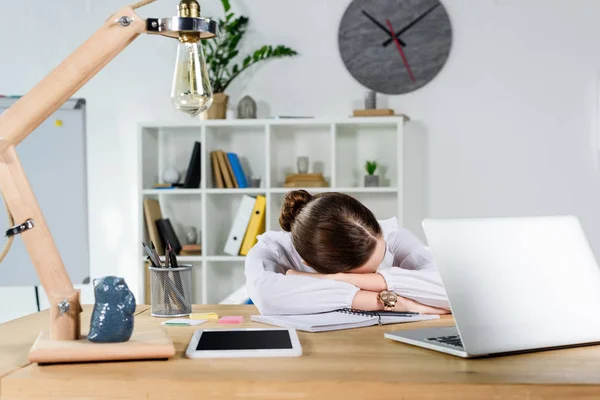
[(394, 46), (247, 108), (112, 316)]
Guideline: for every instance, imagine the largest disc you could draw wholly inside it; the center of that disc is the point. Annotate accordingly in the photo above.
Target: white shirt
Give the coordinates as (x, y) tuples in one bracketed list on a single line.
[(408, 269)]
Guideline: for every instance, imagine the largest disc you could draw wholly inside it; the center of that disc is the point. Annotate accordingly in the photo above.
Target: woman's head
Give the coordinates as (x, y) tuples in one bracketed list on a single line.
[(333, 232)]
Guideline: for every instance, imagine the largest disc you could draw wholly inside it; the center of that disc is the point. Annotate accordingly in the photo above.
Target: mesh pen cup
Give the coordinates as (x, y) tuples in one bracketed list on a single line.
[(171, 291)]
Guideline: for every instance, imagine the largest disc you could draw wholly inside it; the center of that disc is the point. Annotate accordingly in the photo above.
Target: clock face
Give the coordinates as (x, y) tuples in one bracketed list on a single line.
[(394, 46)]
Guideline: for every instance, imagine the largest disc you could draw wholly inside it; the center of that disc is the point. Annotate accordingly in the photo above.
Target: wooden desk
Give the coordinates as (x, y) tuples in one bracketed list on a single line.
[(351, 364)]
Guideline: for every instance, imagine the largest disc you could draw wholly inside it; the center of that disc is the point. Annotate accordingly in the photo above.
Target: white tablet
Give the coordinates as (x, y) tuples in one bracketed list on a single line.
[(251, 342)]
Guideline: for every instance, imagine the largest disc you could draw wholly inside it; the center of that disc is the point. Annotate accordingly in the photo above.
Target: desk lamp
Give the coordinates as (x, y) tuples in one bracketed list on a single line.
[(191, 93)]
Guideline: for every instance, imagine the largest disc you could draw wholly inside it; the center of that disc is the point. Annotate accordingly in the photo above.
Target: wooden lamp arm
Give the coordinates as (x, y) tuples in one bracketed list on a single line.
[(21, 119)]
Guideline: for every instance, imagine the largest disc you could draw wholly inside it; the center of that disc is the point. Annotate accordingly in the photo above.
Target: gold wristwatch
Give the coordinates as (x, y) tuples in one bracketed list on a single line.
[(388, 299)]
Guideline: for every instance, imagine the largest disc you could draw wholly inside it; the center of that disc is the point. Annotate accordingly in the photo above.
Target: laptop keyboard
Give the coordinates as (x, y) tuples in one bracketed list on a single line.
[(453, 340)]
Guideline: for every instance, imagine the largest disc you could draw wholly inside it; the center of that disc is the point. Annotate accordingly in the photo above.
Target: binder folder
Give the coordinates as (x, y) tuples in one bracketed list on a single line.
[(256, 226), (239, 226)]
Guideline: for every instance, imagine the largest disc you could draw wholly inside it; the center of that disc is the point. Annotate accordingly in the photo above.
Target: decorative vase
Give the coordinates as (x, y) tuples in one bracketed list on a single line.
[(247, 108), (370, 100), (371, 180), (218, 109), (191, 236), (302, 164)]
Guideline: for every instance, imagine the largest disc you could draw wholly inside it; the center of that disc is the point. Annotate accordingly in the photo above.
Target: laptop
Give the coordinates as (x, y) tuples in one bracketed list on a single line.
[(514, 285)]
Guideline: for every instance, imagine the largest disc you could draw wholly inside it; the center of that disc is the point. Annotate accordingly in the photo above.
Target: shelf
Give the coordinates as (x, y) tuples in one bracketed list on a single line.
[(181, 259), (342, 190), (174, 192), (170, 192), (195, 259), (236, 191), (275, 122), (268, 150), (225, 258)]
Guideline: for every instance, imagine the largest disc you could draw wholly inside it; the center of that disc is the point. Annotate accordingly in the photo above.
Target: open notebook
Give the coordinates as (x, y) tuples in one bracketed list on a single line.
[(339, 319)]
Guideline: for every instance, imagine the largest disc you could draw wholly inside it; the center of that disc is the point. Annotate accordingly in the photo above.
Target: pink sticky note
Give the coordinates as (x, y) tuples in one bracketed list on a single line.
[(231, 320)]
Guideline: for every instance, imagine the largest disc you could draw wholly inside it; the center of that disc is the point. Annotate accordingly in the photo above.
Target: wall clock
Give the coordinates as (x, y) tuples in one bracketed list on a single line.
[(394, 46)]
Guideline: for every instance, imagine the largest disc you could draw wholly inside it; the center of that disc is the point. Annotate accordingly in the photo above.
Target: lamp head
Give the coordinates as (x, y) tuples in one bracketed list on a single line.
[(191, 91), (187, 24)]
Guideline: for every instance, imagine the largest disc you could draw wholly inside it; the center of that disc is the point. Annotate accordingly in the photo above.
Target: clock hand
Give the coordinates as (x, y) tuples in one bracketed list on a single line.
[(407, 27), (380, 25), (412, 77)]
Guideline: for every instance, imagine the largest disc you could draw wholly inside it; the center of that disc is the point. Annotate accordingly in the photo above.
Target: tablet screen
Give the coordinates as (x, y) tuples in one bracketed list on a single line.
[(244, 340)]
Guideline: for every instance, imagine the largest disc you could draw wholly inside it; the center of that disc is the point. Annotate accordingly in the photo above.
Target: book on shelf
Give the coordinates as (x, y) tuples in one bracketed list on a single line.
[(167, 234), (193, 174), (217, 175), (248, 223), (152, 213), (227, 170), (224, 169), (238, 172)]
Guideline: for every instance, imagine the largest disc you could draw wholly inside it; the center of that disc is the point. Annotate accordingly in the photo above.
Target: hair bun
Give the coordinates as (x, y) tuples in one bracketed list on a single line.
[(293, 202)]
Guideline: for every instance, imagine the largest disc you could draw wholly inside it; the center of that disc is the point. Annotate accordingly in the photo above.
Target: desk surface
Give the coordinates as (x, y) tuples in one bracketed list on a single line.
[(358, 363)]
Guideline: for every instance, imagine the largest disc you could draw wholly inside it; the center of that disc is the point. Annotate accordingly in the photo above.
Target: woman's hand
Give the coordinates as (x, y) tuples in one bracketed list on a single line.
[(404, 304)]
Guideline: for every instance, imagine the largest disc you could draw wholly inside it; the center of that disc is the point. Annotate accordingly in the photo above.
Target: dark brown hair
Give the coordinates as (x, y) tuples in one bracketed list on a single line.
[(333, 232)]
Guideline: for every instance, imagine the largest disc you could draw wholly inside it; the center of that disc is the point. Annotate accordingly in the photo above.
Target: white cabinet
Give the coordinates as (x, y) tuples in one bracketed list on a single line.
[(268, 150)]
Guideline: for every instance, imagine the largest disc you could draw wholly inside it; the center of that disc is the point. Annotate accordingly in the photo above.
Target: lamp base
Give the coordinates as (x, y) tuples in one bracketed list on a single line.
[(147, 342)]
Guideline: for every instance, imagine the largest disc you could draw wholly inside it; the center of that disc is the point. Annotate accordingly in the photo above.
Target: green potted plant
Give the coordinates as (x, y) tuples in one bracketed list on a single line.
[(221, 52), (371, 180)]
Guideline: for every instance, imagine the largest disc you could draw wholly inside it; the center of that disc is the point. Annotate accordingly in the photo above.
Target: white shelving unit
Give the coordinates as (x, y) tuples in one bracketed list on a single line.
[(267, 149)]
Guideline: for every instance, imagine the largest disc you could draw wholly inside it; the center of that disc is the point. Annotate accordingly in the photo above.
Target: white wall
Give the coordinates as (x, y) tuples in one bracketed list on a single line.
[(509, 120)]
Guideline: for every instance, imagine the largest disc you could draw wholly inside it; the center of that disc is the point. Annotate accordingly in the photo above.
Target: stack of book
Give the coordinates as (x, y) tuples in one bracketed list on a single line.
[(305, 180), (249, 223), (227, 170)]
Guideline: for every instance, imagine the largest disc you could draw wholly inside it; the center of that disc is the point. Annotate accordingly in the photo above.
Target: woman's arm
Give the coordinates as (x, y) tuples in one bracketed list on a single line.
[(274, 293), (368, 301), (418, 279), (371, 284)]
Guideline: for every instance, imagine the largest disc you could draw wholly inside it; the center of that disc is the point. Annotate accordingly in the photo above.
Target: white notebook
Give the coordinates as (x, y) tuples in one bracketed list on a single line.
[(340, 319)]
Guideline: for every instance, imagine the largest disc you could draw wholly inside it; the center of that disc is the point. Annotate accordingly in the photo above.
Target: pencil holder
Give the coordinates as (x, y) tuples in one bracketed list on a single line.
[(171, 291)]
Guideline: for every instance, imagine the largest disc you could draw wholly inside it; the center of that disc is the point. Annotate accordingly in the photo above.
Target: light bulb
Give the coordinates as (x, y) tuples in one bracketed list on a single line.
[(191, 91)]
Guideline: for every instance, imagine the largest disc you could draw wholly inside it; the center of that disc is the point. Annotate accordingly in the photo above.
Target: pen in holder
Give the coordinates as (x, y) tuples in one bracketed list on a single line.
[(171, 291)]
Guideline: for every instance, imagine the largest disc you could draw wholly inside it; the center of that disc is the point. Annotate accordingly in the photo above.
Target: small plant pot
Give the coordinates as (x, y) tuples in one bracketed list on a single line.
[(371, 180), (218, 109)]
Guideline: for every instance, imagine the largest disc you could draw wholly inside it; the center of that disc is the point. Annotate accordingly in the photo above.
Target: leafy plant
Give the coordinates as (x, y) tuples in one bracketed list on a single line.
[(371, 166), (222, 50)]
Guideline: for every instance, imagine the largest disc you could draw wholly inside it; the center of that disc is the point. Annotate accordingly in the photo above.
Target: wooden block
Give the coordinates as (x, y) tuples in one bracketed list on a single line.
[(377, 112), (147, 342), (307, 184), (65, 326), (304, 177)]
